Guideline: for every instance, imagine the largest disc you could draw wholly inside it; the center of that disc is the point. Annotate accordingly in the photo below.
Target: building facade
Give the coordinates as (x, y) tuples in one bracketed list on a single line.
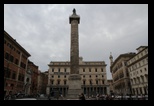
[(93, 77), (120, 74), (42, 82), (34, 77), (15, 65), (138, 71)]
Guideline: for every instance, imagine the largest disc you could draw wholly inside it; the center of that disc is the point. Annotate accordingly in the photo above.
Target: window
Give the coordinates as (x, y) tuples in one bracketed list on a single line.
[(58, 82), (52, 76), (52, 82), (96, 76), (84, 83), (12, 85), (83, 70), (14, 49), (7, 56), (95, 69), (19, 77), (13, 75), (11, 58), (102, 69), (90, 82), (24, 56), (27, 80), (127, 74), (65, 70), (18, 52), (65, 76), (90, 76), (8, 44), (96, 81), (4, 41), (142, 78), (139, 64), (7, 72), (141, 71), (89, 69), (102, 81), (83, 76), (135, 80), (58, 76), (145, 69), (64, 82), (126, 63), (102, 75), (22, 78), (59, 70), (52, 69), (16, 61), (23, 65)]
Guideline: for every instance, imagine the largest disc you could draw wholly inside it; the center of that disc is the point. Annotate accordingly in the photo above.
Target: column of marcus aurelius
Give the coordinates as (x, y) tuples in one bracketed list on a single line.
[(74, 80)]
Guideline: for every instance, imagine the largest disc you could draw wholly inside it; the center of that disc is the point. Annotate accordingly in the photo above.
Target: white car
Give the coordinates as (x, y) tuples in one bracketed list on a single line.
[(42, 95)]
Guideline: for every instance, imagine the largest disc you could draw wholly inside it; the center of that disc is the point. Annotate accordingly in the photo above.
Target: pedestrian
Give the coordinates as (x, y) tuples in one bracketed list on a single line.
[(8, 97), (97, 96), (49, 97), (61, 96), (82, 97)]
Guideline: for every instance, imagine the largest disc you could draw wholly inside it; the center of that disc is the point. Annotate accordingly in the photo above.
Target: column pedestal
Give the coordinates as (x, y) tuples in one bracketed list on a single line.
[(74, 82)]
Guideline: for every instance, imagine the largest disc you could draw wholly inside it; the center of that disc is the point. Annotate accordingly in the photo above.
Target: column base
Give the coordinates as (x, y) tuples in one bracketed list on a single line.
[(74, 82)]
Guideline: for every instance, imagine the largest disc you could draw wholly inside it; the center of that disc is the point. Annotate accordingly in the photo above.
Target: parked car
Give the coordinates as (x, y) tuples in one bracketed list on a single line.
[(42, 97)]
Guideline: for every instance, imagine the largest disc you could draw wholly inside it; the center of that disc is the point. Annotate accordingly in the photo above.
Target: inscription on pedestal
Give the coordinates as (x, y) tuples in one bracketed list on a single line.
[(74, 77)]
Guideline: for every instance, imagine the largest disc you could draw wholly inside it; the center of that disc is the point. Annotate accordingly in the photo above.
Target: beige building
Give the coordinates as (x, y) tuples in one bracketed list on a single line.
[(138, 71), (120, 75), (93, 77)]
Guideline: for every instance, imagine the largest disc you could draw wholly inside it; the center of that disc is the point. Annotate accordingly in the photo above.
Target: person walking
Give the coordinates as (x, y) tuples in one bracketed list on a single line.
[(82, 97)]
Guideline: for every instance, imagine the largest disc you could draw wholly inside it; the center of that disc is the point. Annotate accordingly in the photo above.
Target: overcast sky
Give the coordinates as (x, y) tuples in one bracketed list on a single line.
[(44, 30)]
